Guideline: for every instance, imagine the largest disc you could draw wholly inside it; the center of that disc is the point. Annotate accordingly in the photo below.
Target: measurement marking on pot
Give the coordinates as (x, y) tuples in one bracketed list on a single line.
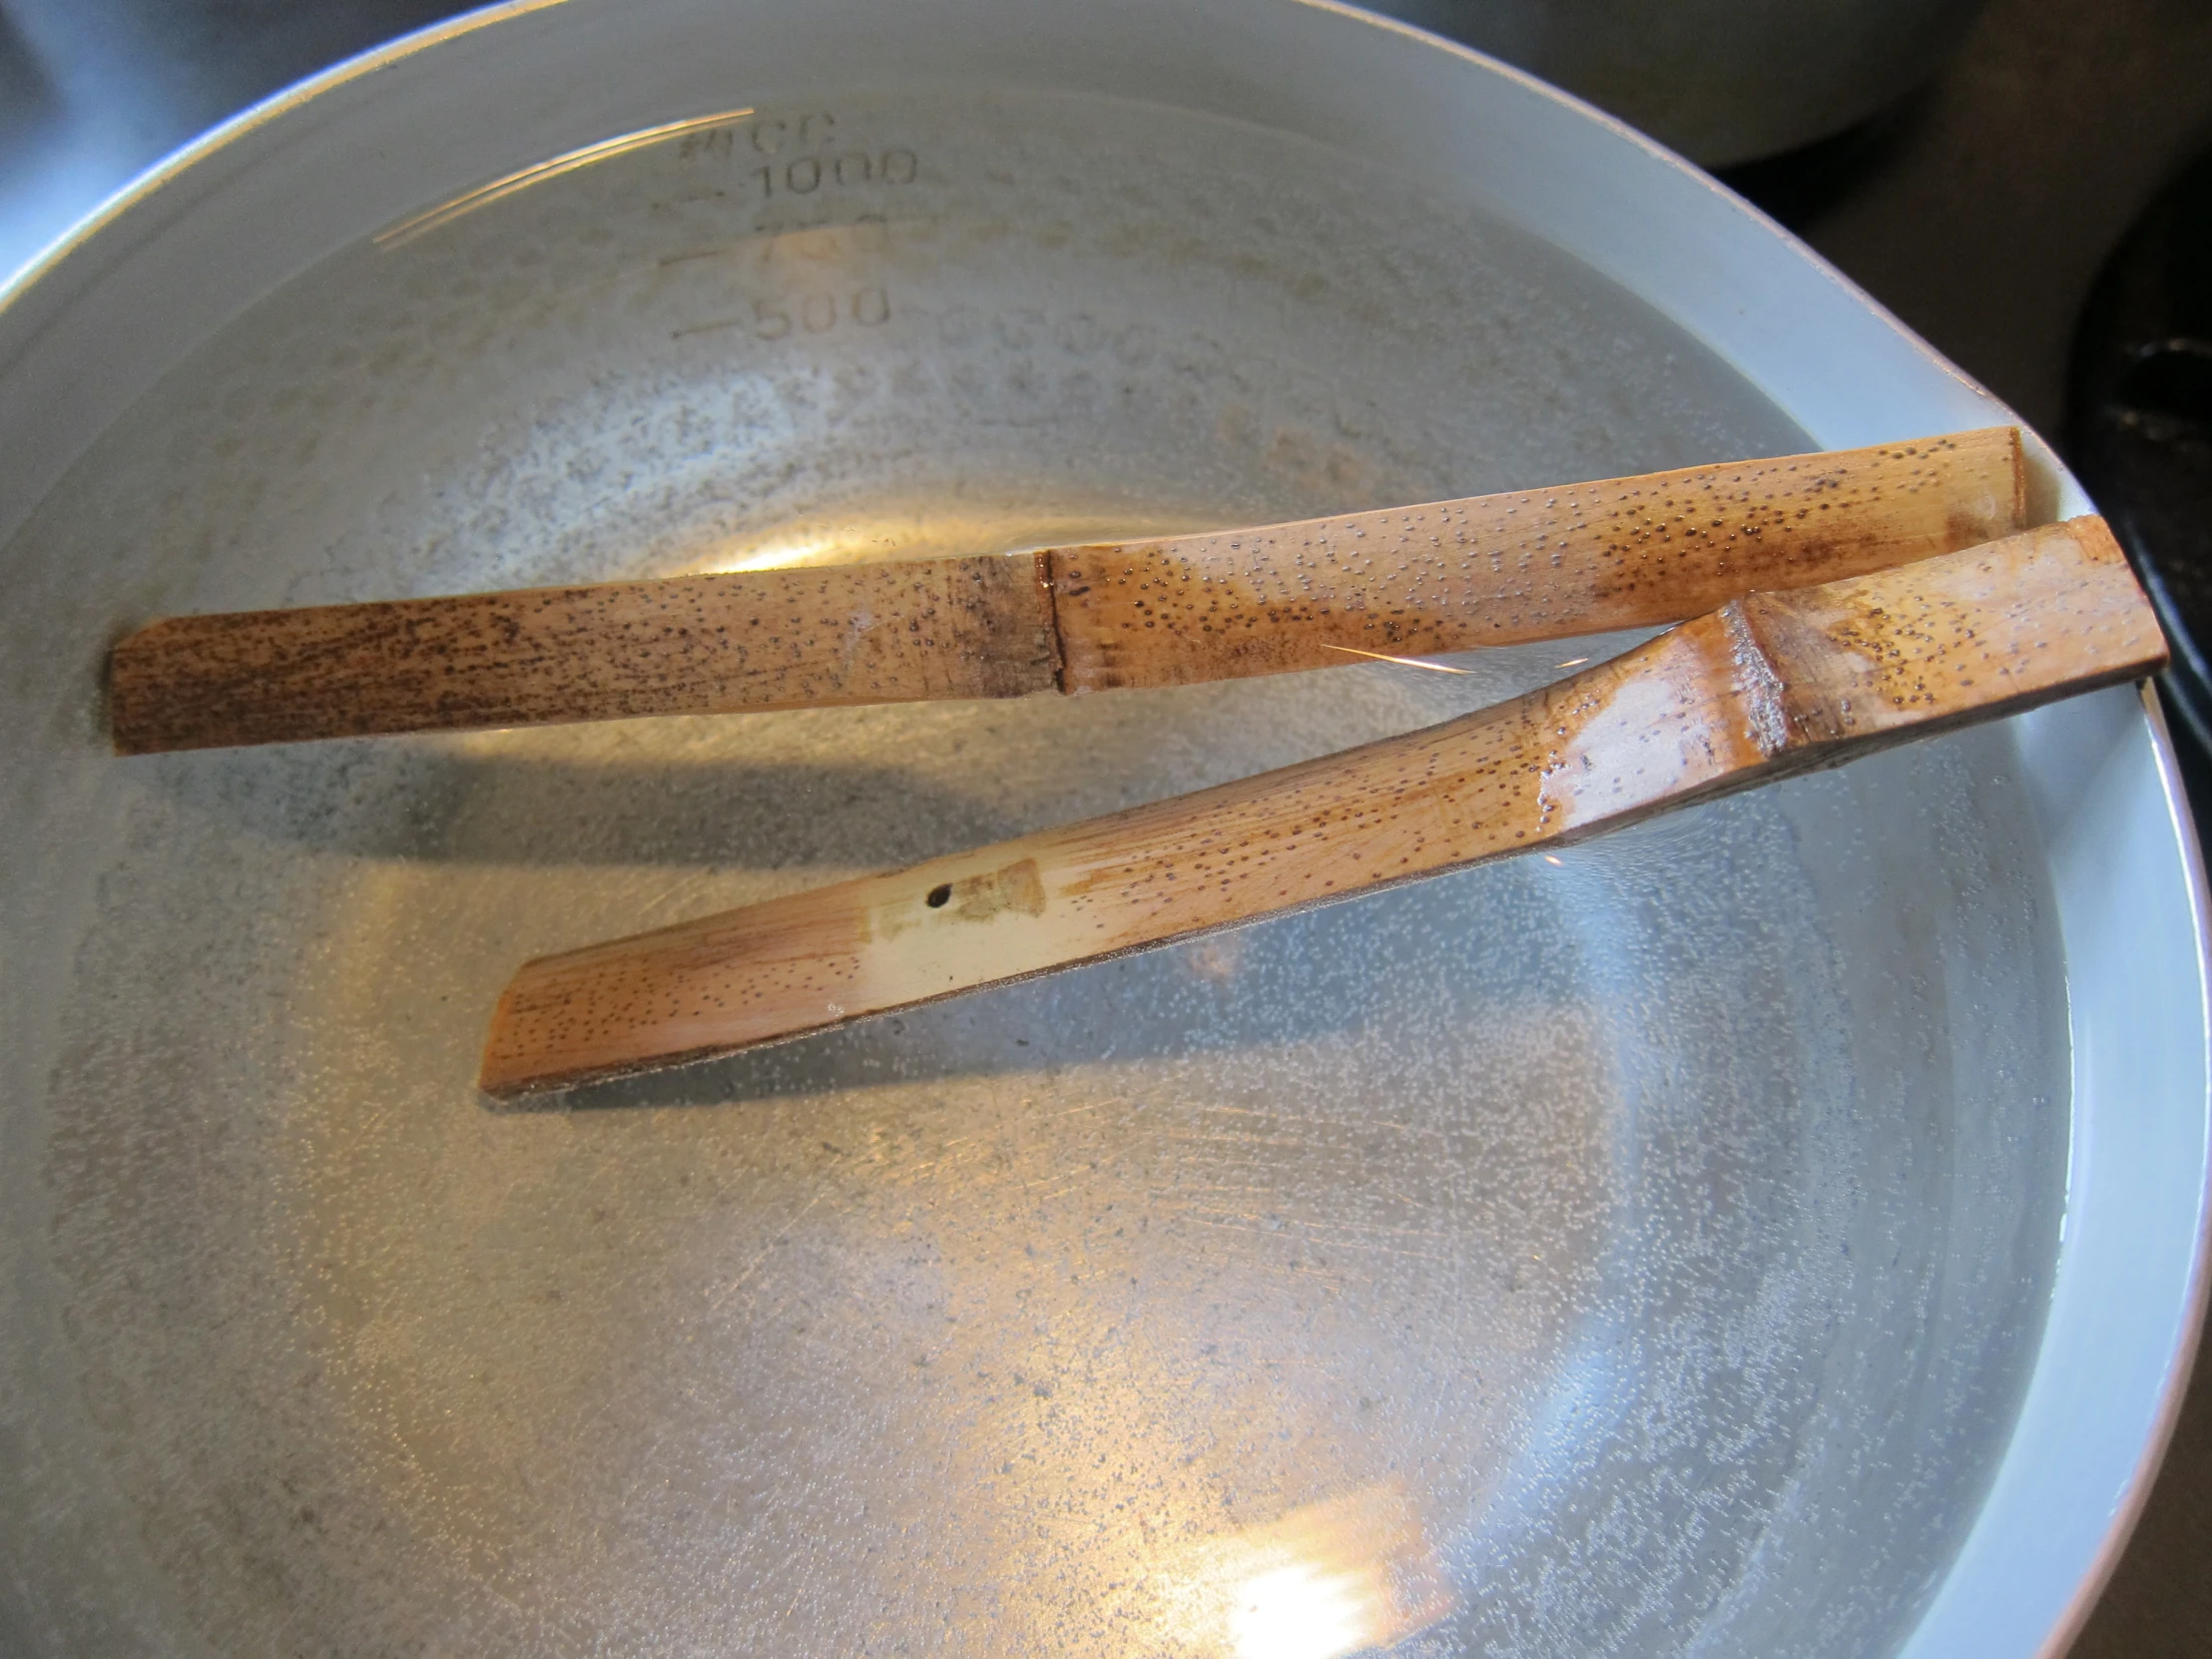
[(819, 312), (769, 135), (848, 170)]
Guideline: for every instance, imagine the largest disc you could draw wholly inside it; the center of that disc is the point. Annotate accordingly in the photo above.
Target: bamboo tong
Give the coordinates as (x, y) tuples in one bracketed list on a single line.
[(1850, 602), (1766, 685), (1496, 570)]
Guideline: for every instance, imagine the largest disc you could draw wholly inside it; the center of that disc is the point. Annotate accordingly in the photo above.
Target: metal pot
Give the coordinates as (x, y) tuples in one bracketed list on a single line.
[(1722, 81), (1776, 1229)]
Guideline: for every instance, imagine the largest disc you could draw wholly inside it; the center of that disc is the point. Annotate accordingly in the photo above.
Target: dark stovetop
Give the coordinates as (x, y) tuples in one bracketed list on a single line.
[(1979, 212)]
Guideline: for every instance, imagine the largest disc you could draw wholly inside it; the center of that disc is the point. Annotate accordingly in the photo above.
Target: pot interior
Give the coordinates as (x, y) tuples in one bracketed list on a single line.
[(1640, 1248)]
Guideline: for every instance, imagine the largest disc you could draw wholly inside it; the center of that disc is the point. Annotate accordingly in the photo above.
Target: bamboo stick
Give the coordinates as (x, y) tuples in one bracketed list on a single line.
[(1529, 565), (1766, 685)]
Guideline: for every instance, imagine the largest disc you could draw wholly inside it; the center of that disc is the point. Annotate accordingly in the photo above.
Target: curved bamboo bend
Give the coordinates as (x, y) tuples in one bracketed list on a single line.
[(1494, 570), (1766, 685)]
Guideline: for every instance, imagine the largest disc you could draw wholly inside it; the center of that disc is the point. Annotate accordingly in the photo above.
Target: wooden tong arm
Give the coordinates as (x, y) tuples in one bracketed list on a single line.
[(1770, 685), (1542, 564)]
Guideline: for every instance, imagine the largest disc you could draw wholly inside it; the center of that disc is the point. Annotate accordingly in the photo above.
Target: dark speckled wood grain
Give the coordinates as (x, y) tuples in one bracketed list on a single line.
[(1498, 570)]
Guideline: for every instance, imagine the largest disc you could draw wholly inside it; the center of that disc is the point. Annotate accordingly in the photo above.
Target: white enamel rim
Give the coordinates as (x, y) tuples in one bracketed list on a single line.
[(88, 326)]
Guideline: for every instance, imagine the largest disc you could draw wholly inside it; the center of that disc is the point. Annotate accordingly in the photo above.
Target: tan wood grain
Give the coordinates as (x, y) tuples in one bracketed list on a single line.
[(1581, 558), (751, 640), (1772, 684), (1531, 565)]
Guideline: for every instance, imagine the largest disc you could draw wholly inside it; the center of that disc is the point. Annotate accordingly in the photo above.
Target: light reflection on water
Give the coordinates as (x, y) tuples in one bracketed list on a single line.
[(1327, 1579), (895, 528)]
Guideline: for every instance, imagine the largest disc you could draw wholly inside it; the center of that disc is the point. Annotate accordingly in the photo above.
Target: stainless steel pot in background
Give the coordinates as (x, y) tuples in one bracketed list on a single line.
[(93, 92), (1722, 81)]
